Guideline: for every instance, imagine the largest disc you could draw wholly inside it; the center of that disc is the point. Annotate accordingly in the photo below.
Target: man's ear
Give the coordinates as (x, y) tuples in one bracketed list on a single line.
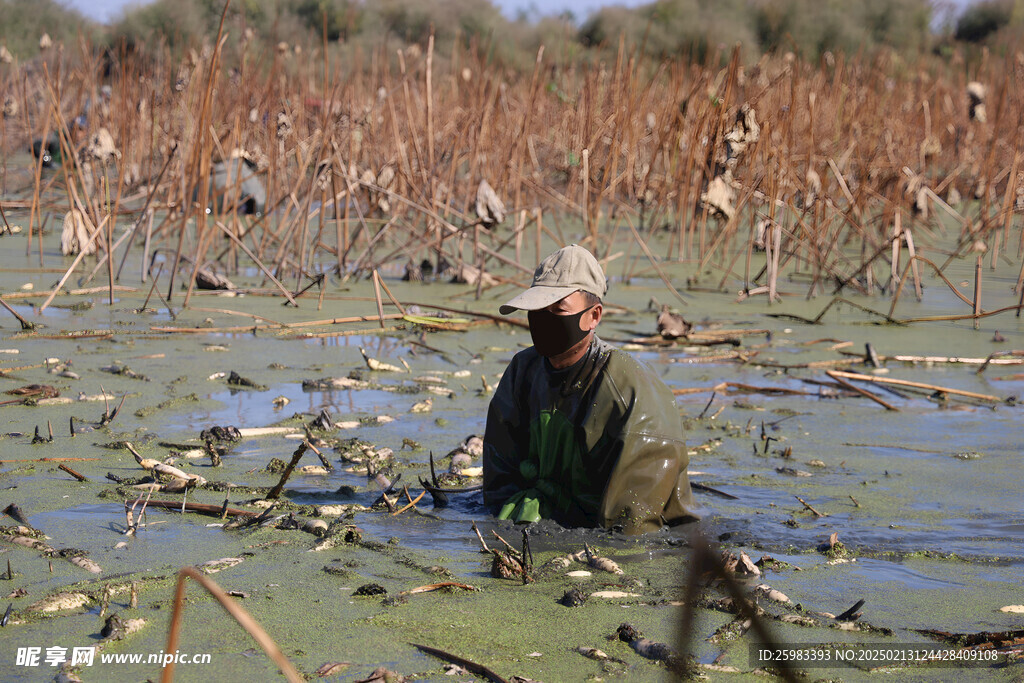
[(595, 315)]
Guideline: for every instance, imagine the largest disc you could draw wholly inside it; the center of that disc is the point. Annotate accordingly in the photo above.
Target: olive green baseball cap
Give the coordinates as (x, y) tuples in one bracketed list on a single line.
[(568, 270)]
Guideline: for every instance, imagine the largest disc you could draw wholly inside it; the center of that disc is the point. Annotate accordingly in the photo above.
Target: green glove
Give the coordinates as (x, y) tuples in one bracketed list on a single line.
[(524, 506)]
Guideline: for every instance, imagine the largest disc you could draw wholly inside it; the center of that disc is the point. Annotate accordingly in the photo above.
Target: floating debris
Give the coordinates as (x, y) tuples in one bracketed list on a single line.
[(996, 640), (597, 655), (424, 406), (216, 433), (32, 393), (378, 366), (251, 432), (791, 472), (478, 669), (339, 510), (506, 564), (123, 371), (383, 675), (317, 527), (84, 562), (162, 468), (214, 566), (444, 585), (345, 533), (613, 595), (851, 614), (236, 380), (602, 563), (328, 669), (672, 325), (323, 422), (798, 619), (650, 649), (14, 511), (833, 548), (772, 594), (573, 598), (28, 542), (566, 561), (116, 628), (60, 602), (740, 564)]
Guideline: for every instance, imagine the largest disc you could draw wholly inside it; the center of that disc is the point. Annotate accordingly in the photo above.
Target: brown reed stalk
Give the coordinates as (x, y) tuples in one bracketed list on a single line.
[(35, 188), (232, 607), (913, 264), (145, 211), (1008, 200), (202, 153), (74, 264), (523, 131), (938, 271), (977, 290), (257, 261), (512, 130)]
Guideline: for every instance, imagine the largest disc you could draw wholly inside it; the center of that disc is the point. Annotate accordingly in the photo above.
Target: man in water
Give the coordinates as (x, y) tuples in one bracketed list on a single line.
[(579, 431)]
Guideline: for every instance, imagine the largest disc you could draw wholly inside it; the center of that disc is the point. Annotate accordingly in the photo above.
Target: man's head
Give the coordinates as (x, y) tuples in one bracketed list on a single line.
[(563, 304)]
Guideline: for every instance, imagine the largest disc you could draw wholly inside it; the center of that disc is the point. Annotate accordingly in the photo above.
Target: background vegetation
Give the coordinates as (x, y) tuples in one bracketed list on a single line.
[(694, 28), (826, 133)]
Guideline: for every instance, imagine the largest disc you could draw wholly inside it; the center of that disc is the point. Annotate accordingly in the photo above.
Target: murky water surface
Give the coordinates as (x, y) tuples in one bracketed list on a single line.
[(927, 499)]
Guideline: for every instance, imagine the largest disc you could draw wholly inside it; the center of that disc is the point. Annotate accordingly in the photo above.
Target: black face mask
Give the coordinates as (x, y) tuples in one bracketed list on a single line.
[(554, 334)]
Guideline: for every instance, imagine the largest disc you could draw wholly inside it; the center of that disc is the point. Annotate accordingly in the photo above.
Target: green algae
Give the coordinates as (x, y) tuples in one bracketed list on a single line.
[(923, 554), (170, 404)]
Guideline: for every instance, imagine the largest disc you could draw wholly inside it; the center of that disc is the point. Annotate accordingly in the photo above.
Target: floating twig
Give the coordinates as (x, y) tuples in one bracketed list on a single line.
[(276, 491), (809, 507), (863, 392), (412, 503), (47, 460), (851, 614), (710, 401), (76, 475), (473, 667), (202, 508), (233, 608), (836, 374), (14, 512), (25, 324), (705, 487), (483, 543), (438, 586)]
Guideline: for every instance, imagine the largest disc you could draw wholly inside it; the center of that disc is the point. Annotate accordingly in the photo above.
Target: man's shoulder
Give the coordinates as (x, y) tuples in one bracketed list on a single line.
[(643, 396), (632, 369), (524, 358), (524, 361), (632, 376)]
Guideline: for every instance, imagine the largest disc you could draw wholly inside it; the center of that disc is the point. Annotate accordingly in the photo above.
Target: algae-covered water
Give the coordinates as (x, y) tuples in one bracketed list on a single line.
[(925, 499)]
